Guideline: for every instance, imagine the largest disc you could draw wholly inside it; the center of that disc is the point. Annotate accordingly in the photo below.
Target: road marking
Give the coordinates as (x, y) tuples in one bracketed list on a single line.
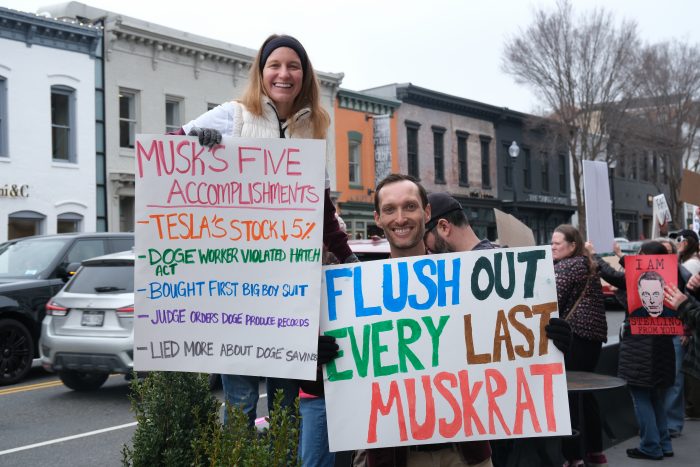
[(67, 438), (31, 387)]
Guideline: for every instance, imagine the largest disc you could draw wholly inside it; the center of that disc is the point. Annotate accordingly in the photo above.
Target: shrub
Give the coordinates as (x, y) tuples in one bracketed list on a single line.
[(178, 425), (172, 410), (237, 444)]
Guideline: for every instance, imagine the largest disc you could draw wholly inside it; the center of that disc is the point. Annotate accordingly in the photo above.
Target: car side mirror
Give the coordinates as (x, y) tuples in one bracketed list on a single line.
[(66, 272)]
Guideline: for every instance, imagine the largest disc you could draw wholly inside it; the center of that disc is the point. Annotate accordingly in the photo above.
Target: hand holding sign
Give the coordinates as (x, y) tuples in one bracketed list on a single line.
[(673, 296), (452, 347)]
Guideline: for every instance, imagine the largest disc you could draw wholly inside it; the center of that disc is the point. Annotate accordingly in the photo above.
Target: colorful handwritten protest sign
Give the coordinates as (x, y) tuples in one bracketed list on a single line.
[(228, 245), (645, 277), (443, 348)]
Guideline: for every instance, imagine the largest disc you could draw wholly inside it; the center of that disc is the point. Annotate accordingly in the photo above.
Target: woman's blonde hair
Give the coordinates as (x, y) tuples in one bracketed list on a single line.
[(308, 97)]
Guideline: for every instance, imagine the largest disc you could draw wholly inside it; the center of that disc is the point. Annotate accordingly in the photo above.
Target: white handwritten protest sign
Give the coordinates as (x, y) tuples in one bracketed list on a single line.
[(443, 348), (228, 245), (661, 215)]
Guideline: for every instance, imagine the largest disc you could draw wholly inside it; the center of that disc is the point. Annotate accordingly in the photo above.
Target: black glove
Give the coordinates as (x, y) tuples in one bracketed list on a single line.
[(208, 137), (560, 332), (327, 349)]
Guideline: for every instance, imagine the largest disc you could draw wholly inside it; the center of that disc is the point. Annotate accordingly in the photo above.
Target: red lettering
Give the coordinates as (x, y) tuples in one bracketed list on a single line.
[(292, 162), (448, 430), (176, 190), (196, 157), (268, 156), (493, 393), (468, 397), (377, 404), (425, 430), (142, 154), (223, 161), (242, 159), (547, 370), (521, 406)]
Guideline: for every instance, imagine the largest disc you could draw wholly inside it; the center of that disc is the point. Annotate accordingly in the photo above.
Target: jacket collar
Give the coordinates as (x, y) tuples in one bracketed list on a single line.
[(270, 106)]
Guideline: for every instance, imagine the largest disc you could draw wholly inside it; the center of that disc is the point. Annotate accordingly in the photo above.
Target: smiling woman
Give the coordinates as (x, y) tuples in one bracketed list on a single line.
[(282, 100)]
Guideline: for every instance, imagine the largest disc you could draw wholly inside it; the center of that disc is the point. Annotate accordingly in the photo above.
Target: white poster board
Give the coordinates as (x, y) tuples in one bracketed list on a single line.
[(228, 247), (661, 215), (443, 348), (596, 190)]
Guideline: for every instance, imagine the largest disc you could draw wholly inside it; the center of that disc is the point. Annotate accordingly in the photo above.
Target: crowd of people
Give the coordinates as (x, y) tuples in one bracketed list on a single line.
[(282, 101)]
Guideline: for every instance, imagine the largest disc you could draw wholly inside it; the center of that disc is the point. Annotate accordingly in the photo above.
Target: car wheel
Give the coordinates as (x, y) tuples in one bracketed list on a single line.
[(16, 351), (82, 381)]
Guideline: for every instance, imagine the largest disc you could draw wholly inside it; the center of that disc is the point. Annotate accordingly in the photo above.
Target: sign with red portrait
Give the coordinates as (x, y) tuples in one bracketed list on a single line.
[(646, 276)]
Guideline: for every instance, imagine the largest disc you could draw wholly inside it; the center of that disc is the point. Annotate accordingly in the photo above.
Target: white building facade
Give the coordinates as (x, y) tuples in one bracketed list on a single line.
[(155, 80), (47, 125)]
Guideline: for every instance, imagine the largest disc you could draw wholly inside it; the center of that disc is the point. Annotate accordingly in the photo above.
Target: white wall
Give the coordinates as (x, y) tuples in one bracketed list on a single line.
[(53, 187)]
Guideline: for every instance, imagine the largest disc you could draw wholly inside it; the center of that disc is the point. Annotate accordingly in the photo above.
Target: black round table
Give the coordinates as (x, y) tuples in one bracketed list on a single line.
[(581, 382), (586, 381)]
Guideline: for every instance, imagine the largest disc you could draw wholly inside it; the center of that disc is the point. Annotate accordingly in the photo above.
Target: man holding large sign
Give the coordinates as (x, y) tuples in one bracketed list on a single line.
[(453, 353)]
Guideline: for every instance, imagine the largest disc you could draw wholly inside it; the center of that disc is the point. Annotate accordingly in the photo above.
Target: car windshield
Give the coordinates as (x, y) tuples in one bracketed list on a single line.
[(103, 279), (29, 258)]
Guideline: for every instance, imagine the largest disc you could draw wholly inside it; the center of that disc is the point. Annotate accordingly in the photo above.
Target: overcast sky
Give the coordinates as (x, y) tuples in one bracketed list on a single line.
[(451, 46)]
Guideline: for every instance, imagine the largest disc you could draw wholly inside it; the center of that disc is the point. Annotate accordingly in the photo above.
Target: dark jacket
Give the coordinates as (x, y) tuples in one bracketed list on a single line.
[(689, 313), (644, 361), (473, 453), (647, 361), (574, 280)]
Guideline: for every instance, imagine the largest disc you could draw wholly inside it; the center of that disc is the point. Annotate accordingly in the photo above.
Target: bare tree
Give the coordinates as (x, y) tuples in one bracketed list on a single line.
[(669, 94), (578, 66)]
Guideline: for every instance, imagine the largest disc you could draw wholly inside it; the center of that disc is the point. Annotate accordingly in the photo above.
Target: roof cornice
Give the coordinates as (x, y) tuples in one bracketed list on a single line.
[(48, 32), (361, 102), (410, 94), (169, 40)]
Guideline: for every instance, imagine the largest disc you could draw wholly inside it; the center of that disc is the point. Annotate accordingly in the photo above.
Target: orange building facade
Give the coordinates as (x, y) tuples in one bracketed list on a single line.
[(356, 171)]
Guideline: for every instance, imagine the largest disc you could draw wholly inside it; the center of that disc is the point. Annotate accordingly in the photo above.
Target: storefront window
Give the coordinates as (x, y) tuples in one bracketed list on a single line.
[(24, 224)]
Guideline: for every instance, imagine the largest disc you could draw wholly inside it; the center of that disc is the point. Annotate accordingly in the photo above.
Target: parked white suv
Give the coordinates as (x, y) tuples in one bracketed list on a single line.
[(88, 329)]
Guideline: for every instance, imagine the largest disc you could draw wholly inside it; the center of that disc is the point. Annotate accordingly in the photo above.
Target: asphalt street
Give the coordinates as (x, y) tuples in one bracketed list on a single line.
[(42, 422)]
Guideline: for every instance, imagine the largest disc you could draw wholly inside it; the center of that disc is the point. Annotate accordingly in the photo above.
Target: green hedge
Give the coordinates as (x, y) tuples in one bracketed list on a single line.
[(178, 425)]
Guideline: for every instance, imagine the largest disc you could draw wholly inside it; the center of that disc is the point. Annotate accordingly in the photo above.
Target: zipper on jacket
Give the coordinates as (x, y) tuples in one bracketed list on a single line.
[(282, 123)]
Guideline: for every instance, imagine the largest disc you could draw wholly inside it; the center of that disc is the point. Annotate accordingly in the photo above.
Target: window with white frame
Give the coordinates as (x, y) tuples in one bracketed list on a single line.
[(354, 157), (63, 124), (127, 118), (3, 118), (173, 112)]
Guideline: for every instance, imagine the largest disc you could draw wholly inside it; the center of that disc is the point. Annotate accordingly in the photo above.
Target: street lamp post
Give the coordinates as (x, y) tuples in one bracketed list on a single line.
[(513, 151), (611, 175)]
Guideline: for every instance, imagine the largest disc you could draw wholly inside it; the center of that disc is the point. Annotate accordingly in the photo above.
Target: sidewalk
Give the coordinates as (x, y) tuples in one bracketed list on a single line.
[(686, 449)]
